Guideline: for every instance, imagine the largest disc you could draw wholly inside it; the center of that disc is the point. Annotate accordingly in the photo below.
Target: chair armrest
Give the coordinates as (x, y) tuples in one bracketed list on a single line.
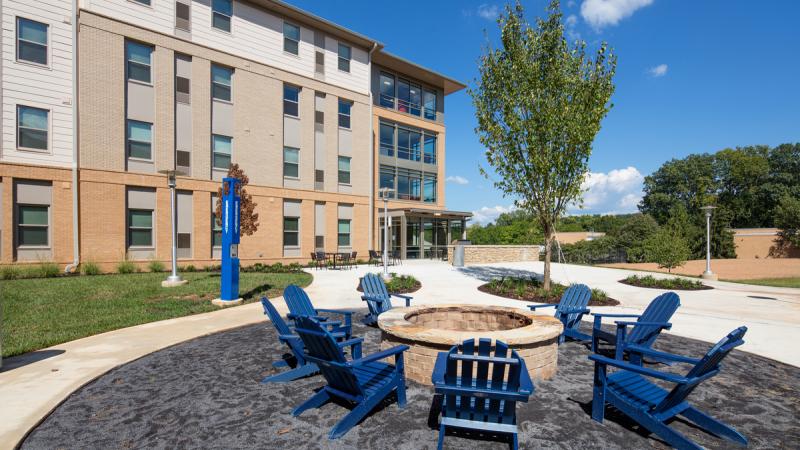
[(525, 383), (661, 355), (439, 368), (672, 378), (288, 337), (666, 325), (542, 305), (372, 298), (575, 311), (614, 315), (297, 316), (355, 346), (335, 311), (407, 298), (379, 355)]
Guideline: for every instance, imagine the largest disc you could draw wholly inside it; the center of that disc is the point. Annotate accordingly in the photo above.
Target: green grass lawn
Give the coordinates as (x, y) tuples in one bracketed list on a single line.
[(38, 313), (793, 282)]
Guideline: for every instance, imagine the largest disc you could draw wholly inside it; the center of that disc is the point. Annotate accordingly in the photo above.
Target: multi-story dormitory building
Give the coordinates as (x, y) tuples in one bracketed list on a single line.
[(99, 96)]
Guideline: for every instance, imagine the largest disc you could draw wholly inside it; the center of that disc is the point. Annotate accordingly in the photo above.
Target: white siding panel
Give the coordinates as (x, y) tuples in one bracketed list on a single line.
[(42, 87)]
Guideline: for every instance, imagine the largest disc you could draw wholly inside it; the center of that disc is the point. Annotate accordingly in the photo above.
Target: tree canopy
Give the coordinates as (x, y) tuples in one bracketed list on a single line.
[(248, 218)]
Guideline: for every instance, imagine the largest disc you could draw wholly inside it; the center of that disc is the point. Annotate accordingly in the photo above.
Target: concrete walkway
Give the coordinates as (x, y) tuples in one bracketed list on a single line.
[(32, 385)]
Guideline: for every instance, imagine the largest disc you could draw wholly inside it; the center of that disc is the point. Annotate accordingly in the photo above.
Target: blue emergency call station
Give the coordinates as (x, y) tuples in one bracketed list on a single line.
[(231, 203)]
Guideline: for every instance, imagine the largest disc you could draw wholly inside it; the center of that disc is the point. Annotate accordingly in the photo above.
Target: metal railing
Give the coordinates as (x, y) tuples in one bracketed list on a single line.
[(415, 109)]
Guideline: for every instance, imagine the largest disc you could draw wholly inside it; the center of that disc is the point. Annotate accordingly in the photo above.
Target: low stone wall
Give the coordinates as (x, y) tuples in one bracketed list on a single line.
[(485, 254)]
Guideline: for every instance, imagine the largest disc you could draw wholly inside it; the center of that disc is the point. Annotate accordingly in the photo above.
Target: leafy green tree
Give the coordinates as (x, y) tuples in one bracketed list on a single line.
[(787, 219), (666, 248), (539, 102), (632, 234)]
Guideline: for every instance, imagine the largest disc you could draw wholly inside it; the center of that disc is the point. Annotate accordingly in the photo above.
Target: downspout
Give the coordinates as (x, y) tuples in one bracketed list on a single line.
[(76, 248), (371, 230)]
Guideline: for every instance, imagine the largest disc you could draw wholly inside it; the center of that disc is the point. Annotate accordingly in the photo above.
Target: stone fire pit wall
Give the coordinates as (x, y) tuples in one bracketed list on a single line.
[(431, 329)]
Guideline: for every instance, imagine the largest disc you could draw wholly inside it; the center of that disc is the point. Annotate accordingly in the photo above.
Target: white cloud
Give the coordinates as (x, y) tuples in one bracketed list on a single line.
[(569, 24), (658, 71), (488, 12), (618, 190), (570, 3), (457, 179), (489, 214), (601, 13)]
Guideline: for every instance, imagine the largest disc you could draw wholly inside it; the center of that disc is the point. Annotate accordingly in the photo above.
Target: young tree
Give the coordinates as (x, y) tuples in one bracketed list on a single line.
[(539, 102), (666, 248), (248, 218), (787, 219)]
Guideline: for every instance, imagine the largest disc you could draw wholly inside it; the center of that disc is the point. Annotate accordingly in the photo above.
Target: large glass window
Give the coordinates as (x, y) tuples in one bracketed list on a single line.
[(430, 149), (429, 104), (291, 231), (138, 65), (387, 139), (31, 41), (140, 139), (403, 144), (408, 184), (344, 170), (344, 113), (415, 145), (222, 11), (291, 162), (387, 176), (403, 95), (222, 149), (430, 188), (291, 100), (344, 233), (221, 83), (414, 99), (33, 125), (345, 53), (32, 225), (291, 38), (216, 228), (140, 228), (387, 90)]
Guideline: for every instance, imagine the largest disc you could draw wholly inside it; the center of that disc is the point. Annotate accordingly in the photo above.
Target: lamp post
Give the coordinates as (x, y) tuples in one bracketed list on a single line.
[(174, 279), (708, 274), (385, 194)]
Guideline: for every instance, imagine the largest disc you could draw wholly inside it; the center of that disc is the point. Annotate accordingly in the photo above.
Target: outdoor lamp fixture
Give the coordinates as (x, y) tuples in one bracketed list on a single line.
[(708, 274), (174, 279), (385, 192)]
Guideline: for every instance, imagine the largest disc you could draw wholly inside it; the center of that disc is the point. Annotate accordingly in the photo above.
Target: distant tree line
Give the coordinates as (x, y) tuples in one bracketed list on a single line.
[(751, 187)]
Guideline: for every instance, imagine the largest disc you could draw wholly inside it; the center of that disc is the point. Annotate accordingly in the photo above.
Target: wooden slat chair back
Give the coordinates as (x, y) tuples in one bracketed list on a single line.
[(481, 388), (653, 407), (378, 297), (297, 361), (575, 297), (300, 305), (660, 310)]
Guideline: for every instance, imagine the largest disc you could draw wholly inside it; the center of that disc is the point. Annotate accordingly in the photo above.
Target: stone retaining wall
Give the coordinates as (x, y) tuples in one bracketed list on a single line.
[(485, 254)]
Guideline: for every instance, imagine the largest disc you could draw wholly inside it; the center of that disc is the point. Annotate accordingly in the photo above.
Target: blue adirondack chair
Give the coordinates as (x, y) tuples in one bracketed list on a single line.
[(295, 360), (300, 305), (474, 399), (378, 298), (651, 406), (362, 382), (645, 330), (570, 310)]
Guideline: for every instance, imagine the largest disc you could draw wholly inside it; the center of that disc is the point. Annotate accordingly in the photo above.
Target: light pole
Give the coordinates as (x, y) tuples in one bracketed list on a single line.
[(708, 274), (174, 279), (385, 194)]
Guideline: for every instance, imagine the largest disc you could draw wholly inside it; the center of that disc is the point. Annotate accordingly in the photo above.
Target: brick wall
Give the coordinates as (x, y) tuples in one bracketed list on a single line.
[(485, 254)]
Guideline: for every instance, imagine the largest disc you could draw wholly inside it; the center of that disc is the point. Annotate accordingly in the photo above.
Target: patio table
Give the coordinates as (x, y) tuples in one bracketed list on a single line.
[(333, 256)]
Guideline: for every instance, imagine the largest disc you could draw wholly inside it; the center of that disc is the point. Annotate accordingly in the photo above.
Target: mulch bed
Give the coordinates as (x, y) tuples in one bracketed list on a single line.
[(608, 301), (205, 393), (417, 286), (671, 288)]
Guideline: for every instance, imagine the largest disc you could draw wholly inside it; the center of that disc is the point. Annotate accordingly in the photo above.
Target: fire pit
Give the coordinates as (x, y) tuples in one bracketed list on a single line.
[(431, 329)]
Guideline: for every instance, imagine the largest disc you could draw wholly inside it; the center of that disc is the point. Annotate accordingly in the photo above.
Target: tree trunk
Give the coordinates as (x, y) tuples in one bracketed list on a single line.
[(548, 253)]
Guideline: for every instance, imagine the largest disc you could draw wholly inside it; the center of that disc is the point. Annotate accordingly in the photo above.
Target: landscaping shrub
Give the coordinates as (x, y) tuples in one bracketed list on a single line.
[(274, 268), (155, 266), (10, 273), (90, 268), (649, 281), (45, 270), (23, 271), (126, 267), (530, 289)]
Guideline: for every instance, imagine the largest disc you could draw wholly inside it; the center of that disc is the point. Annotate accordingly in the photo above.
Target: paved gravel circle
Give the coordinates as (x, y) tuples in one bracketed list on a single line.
[(205, 393)]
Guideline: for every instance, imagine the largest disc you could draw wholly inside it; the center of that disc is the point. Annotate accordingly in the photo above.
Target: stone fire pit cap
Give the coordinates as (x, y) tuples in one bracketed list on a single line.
[(541, 328)]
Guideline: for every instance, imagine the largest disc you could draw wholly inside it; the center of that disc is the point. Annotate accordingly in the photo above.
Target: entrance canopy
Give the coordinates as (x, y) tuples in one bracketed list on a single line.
[(423, 233)]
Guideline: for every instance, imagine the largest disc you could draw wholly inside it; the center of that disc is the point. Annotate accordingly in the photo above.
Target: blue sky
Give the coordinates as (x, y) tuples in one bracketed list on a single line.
[(692, 76)]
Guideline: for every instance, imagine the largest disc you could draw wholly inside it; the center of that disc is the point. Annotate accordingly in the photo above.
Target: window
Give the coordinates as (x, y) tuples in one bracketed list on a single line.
[(408, 184), (216, 228), (291, 162), (387, 179), (319, 242), (414, 99), (430, 188), (344, 57), (31, 41), (143, 2), (222, 146), (408, 144), (344, 170), (139, 139), (403, 95), (291, 231), (32, 225), (291, 38), (429, 104), (430, 149), (138, 61), (183, 15), (222, 10), (140, 228), (291, 99), (183, 89), (221, 83), (387, 90), (344, 233), (33, 125), (344, 113), (387, 139)]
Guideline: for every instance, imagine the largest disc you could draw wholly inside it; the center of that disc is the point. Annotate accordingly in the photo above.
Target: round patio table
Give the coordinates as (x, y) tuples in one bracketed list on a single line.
[(333, 256)]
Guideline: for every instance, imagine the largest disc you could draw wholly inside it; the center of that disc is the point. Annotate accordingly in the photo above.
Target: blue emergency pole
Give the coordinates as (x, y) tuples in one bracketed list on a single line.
[(231, 202)]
